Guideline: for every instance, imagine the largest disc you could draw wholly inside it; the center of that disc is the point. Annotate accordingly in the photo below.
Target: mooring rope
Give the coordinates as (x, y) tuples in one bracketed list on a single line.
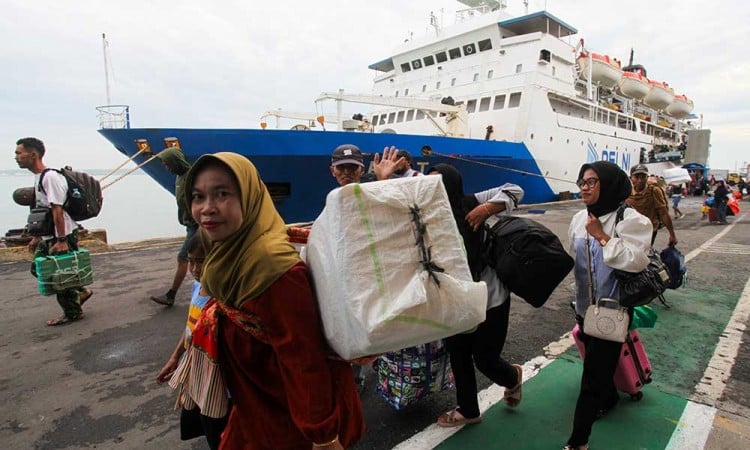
[(428, 153), (128, 172), (120, 166)]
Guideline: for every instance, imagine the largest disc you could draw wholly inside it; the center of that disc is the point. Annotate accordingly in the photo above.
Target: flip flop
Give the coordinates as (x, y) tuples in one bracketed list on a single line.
[(512, 396), (85, 295), (454, 418), (63, 320)]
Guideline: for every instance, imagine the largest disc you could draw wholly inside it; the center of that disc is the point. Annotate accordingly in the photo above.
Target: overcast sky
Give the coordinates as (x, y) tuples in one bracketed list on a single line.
[(195, 63)]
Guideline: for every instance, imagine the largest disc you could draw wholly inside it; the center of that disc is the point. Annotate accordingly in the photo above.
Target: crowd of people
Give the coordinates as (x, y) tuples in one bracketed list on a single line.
[(253, 345)]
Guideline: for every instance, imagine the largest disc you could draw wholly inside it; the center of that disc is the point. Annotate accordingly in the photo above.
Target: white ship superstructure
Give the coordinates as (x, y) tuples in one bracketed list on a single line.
[(519, 80)]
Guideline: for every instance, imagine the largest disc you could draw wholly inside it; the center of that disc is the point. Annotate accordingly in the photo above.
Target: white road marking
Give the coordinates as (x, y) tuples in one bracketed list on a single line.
[(696, 421), (695, 424)]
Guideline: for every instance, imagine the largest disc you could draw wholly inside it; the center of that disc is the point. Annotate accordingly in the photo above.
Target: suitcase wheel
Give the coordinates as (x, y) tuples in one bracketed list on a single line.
[(637, 396)]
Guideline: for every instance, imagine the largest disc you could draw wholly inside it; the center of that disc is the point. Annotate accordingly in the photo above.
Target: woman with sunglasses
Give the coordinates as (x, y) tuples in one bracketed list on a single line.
[(610, 245)]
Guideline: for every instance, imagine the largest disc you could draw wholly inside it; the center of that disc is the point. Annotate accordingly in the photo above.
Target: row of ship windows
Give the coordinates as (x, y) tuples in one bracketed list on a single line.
[(490, 73), (484, 103), (454, 53)]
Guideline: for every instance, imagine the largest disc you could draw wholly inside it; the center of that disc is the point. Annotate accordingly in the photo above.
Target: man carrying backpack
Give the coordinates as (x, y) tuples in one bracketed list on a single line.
[(52, 193), (175, 162), (650, 200)]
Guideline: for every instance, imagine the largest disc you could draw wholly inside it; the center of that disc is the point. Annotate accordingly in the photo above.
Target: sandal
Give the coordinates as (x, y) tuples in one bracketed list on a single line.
[(454, 418), (512, 396), (85, 295), (577, 447), (63, 320)]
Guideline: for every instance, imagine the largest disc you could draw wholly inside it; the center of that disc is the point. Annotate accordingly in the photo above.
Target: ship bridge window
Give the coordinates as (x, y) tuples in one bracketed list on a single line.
[(476, 77), (428, 60), (400, 117), (420, 115), (437, 85), (499, 102), (391, 117), (441, 57), (484, 103), (490, 73), (454, 53), (514, 101), (470, 49), (519, 68), (375, 119), (406, 92), (485, 45), (453, 81), (410, 115), (405, 67), (416, 64), (396, 94), (424, 87), (544, 55), (471, 106), (382, 119)]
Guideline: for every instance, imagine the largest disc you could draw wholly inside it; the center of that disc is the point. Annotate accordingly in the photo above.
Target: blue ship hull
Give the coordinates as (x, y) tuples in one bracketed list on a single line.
[(295, 164)]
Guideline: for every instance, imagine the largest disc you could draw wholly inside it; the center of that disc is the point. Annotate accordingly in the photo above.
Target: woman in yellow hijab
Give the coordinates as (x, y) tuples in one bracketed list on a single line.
[(286, 390)]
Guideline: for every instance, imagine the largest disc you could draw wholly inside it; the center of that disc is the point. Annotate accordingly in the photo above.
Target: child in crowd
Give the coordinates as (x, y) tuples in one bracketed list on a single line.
[(192, 422)]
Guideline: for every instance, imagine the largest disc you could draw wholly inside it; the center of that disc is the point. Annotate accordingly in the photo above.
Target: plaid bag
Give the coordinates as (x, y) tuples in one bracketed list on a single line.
[(410, 374)]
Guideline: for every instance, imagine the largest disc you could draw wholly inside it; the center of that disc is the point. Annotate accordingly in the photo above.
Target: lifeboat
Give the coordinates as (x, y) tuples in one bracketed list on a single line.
[(680, 107), (634, 85), (605, 71), (659, 96)]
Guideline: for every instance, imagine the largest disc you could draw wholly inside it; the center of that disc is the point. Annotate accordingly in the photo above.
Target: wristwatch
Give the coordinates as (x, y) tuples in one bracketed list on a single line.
[(62, 239), (603, 242)]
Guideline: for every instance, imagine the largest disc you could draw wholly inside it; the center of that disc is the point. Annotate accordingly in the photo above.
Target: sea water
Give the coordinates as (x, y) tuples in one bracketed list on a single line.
[(135, 207)]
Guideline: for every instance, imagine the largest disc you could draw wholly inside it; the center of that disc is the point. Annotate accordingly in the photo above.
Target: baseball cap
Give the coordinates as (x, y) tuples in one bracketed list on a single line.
[(640, 168), (347, 154)]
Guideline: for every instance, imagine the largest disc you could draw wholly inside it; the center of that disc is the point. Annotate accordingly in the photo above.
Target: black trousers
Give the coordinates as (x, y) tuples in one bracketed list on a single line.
[(597, 386), (481, 347)]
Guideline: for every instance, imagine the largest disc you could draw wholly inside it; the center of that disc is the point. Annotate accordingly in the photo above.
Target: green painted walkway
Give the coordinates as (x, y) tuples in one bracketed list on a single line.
[(679, 348)]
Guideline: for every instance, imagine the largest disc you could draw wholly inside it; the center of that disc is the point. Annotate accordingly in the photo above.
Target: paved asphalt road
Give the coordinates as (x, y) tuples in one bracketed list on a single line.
[(92, 384)]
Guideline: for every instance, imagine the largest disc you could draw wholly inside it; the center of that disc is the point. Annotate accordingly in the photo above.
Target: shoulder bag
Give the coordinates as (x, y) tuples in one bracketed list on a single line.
[(641, 288), (605, 318)]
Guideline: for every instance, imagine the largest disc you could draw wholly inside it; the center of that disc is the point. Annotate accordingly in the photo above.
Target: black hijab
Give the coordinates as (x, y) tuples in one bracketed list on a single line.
[(461, 205), (614, 186)]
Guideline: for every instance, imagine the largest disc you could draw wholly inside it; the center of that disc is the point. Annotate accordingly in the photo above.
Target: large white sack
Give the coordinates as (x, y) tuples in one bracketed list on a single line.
[(676, 175), (374, 294)]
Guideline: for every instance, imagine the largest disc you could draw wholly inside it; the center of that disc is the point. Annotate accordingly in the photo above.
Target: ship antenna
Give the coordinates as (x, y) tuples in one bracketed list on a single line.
[(526, 6), (106, 68), (630, 63)]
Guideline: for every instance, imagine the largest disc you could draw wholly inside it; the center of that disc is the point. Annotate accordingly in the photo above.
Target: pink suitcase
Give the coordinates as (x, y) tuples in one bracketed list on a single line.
[(633, 368)]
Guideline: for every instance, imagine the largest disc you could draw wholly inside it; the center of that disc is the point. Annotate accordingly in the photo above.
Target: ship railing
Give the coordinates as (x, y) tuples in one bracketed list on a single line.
[(114, 116)]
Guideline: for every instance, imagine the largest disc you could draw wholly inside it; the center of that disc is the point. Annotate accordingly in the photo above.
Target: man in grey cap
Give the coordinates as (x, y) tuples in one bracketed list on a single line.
[(651, 201), (347, 164)]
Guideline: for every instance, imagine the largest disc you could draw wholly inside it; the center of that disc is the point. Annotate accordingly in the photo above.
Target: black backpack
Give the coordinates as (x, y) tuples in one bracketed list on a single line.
[(527, 257), (84, 197)]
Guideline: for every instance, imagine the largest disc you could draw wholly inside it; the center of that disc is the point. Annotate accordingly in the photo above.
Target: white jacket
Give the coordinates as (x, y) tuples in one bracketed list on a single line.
[(626, 250)]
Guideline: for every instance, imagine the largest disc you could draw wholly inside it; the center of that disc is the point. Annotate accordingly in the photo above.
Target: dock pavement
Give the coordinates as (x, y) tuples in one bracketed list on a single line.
[(91, 384)]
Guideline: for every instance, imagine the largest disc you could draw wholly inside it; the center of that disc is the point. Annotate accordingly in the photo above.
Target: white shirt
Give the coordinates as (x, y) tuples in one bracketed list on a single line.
[(55, 193), (497, 292)]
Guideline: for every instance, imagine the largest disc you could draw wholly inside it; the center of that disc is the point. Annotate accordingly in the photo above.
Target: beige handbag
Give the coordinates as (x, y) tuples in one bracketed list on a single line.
[(605, 318)]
